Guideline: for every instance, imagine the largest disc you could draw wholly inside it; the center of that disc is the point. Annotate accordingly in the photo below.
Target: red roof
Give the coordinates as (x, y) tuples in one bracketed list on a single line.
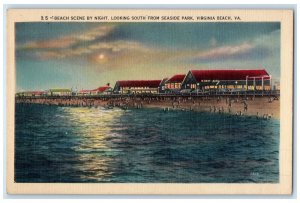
[(99, 89), (176, 78), (139, 83), (228, 74)]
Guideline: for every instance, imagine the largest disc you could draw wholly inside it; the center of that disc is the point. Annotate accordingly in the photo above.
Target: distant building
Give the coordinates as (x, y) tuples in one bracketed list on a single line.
[(174, 83), (227, 79), (31, 93), (137, 86), (59, 92), (104, 90)]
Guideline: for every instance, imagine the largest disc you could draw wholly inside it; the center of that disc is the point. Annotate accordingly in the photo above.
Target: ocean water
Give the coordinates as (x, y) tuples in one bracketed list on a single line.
[(76, 144)]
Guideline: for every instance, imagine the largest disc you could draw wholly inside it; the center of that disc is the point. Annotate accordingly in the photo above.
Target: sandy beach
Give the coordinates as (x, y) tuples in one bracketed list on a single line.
[(252, 106), (257, 107)]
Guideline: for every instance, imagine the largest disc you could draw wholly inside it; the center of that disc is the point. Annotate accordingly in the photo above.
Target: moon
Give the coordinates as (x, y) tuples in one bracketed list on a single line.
[(101, 56)]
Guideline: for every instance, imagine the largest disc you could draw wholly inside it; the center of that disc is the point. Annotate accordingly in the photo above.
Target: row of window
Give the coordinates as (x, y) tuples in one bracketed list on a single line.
[(249, 87), (127, 88), (194, 86), (173, 85), (139, 91)]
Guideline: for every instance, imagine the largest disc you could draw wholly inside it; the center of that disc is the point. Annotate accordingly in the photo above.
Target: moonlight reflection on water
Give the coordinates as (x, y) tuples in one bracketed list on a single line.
[(68, 144)]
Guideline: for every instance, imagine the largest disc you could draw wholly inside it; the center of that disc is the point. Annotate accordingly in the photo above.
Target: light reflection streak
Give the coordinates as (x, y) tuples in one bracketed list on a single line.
[(93, 127)]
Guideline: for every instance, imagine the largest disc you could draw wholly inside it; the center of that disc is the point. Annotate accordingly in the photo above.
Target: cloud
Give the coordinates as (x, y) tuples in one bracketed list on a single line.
[(122, 53), (95, 33), (63, 42), (113, 48), (91, 45), (96, 48), (265, 53), (70, 40), (224, 51)]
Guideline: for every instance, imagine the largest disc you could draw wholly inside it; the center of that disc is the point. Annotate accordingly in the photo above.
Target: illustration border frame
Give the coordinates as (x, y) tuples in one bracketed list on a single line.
[(286, 111)]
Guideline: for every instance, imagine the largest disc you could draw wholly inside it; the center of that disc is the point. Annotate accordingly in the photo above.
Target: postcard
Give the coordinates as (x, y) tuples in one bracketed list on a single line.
[(148, 101)]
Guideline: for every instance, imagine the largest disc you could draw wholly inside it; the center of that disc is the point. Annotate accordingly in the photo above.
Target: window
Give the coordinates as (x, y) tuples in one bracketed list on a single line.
[(193, 86), (250, 87), (259, 87), (268, 87)]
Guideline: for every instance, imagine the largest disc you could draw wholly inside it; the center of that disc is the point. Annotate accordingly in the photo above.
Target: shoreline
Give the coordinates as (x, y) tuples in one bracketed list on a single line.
[(261, 107)]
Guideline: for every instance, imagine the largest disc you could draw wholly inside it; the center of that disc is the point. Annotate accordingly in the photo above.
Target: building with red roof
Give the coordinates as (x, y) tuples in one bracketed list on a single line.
[(258, 79), (174, 83), (97, 91), (137, 86)]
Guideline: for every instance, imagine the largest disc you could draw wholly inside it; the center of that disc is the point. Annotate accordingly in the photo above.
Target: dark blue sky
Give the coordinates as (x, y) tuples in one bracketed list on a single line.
[(88, 55)]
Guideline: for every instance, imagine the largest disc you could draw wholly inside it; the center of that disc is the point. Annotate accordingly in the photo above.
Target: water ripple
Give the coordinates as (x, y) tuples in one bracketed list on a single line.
[(67, 144)]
